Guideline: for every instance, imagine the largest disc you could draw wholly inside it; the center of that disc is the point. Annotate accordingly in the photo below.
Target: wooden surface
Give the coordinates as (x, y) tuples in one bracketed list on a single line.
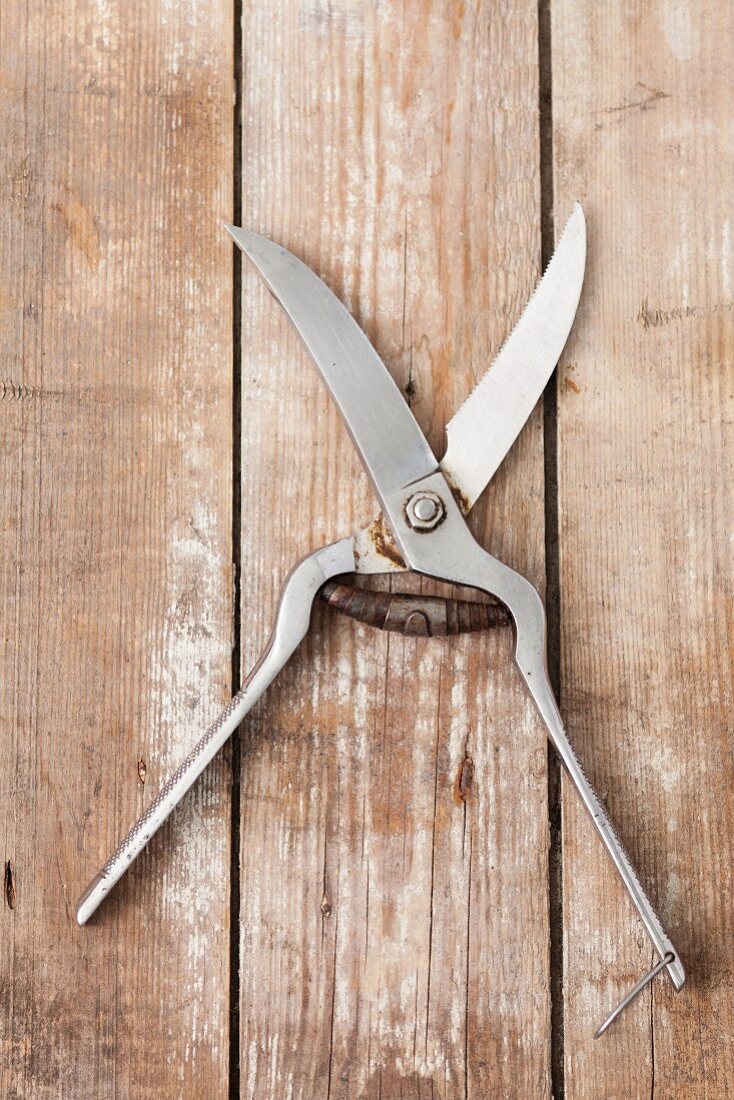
[(401, 932), (646, 450), (393, 844), (116, 333)]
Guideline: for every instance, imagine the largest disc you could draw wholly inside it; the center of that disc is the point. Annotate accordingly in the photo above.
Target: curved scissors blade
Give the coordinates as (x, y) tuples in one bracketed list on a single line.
[(488, 423), (392, 446)]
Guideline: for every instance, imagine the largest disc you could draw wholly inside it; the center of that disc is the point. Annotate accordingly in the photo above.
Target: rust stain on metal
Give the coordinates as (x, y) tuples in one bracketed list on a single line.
[(464, 781), (459, 496), (10, 894), (382, 540), (462, 500), (142, 770)]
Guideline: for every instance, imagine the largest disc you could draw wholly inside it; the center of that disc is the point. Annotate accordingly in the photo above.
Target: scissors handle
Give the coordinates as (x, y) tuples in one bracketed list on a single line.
[(458, 558), (668, 958), (530, 656), (291, 625)]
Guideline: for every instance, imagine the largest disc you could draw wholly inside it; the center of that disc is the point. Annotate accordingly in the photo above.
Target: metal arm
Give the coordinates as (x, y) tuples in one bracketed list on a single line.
[(530, 656), (291, 626), (449, 551)]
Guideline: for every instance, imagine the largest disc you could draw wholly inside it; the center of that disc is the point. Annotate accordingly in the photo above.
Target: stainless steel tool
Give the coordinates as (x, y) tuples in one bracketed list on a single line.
[(421, 527)]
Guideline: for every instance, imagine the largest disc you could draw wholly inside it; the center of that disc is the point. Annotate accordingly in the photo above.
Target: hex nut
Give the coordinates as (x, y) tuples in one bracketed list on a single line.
[(424, 511)]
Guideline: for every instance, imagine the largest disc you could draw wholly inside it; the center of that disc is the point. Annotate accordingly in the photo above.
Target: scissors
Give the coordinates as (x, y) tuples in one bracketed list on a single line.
[(421, 528)]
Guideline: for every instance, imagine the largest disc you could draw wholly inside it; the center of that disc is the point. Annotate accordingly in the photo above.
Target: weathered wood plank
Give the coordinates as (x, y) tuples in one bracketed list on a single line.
[(394, 935), (644, 137), (115, 325)]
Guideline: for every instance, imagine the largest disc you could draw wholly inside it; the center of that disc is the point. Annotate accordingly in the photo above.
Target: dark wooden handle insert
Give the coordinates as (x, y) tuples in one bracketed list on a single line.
[(416, 616)]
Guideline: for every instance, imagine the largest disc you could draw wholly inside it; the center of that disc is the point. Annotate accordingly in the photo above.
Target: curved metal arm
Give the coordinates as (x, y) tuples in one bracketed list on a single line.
[(450, 553), (291, 626), (530, 650), (526, 607)]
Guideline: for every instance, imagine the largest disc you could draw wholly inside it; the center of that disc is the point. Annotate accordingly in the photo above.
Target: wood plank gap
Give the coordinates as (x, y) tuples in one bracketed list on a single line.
[(234, 895), (552, 569)]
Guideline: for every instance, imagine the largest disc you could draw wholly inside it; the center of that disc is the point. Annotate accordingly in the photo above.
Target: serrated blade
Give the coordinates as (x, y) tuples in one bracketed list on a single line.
[(487, 424), (393, 449)]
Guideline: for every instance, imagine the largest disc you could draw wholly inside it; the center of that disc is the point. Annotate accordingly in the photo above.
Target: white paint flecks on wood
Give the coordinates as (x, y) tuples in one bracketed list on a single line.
[(644, 138), (394, 829), (394, 931), (115, 329)]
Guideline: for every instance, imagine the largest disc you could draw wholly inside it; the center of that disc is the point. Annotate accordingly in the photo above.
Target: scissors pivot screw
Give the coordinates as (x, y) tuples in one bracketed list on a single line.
[(425, 511)]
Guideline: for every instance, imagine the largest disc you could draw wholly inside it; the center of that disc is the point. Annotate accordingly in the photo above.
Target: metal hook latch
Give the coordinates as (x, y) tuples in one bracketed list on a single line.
[(634, 992)]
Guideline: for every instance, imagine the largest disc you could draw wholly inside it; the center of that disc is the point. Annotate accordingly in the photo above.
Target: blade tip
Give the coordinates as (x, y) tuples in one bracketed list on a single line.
[(575, 230), (237, 233), (258, 249), (578, 216)]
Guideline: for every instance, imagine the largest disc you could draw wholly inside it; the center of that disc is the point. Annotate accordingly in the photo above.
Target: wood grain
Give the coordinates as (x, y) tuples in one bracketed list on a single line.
[(115, 322), (394, 887), (644, 137), (394, 818)]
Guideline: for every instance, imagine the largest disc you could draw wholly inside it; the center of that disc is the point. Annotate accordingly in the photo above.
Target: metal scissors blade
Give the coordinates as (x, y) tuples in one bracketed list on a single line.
[(393, 448), (482, 431)]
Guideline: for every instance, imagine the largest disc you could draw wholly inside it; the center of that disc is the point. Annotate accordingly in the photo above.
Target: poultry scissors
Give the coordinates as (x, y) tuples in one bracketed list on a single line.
[(421, 527)]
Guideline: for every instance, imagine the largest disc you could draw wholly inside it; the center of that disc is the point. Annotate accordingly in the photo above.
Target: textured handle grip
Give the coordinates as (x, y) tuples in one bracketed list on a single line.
[(414, 616), (291, 624)]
